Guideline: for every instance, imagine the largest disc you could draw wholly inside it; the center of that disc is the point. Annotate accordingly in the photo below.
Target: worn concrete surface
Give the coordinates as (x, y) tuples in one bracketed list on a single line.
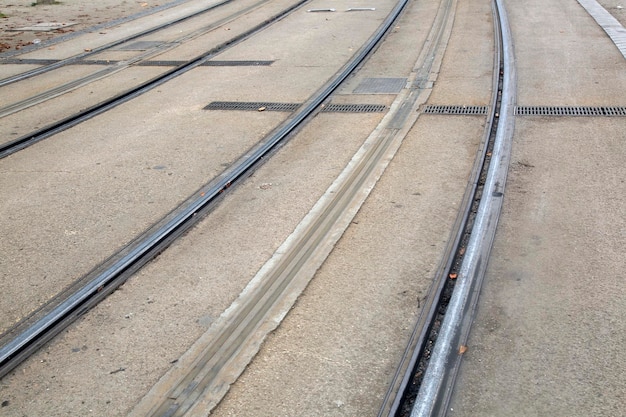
[(151, 321), (89, 190), (549, 334), (336, 352)]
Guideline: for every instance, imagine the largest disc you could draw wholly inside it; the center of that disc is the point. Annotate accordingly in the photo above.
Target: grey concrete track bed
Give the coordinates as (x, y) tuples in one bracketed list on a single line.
[(113, 195), (329, 340)]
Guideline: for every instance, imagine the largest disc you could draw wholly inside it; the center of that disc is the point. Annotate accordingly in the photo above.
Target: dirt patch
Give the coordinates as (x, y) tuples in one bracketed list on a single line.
[(17, 14)]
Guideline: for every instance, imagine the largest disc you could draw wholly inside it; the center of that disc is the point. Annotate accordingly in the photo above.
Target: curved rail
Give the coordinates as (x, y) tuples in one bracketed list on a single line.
[(122, 65), (435, 390), (25, 141), (75, 58), (106, 279)]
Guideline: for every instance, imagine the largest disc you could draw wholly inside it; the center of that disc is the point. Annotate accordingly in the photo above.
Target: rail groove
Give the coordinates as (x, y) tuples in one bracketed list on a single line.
[(438, 380)]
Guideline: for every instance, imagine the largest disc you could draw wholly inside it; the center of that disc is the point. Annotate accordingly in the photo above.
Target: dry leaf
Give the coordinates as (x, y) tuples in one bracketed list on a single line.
[(462, 349), (453, 275)]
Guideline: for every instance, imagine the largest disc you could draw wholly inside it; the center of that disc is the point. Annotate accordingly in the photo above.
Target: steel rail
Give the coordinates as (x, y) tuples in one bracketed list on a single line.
[(438, 381), (207, 368), (122, 65), (179, 221), (399, 395), (83, 55), (23, 142), (399, 386)]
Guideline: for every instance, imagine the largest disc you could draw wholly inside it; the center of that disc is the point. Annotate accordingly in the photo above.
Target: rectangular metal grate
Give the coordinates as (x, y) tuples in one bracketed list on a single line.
[(355, 108), (139, 46), (96, 62), (380, 86), (29, 61), (456, 110), (209, 63), (569, 111), (160, 63), (251, 106), (290, 107), (237, 63)]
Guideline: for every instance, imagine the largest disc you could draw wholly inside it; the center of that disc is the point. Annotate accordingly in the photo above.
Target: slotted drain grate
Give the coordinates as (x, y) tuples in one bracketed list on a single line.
[(208, 63), (29, 61), (457, 110), (237, 63), (161, 63), (255, 105), (380, 86), (96, 62), (570, 111), (140, 46), (289, 107), (355, 108)]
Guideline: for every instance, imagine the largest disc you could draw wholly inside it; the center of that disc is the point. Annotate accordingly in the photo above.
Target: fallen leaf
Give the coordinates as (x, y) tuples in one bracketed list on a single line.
[(462, 349), (453, 275)]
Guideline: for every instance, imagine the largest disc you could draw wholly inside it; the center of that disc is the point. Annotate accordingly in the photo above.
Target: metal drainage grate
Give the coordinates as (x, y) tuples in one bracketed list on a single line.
[(256, 106), (208, 63), (237, 63), (289, 107), (460, 110), (569, 111), (355, 108), (161, 63), (96, 62), (139, 46), (30, 61), (380, 86)]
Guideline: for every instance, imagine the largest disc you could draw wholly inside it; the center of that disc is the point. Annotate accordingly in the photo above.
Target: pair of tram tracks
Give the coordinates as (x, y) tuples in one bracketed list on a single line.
[(27, 336), (29, 139), (117, 66), (32, 333), (55, 64)]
